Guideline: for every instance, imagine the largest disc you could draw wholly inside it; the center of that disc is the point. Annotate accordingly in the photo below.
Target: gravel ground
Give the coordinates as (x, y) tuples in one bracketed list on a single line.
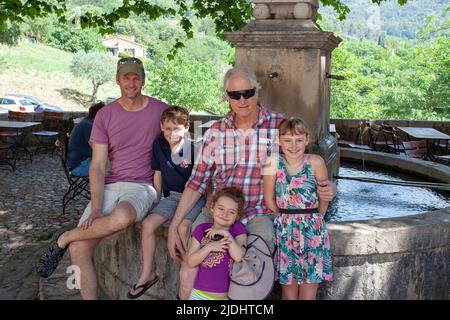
[(30, 211)]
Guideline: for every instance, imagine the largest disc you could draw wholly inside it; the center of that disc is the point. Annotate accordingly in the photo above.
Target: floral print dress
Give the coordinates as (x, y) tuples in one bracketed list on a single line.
[(303, 246)]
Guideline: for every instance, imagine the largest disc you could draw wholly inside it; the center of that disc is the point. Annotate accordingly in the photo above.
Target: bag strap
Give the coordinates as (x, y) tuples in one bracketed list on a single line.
[(251, 244), (250, 284)]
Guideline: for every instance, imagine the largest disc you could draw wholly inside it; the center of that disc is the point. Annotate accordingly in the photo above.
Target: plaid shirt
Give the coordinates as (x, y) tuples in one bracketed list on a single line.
[(236, 158)]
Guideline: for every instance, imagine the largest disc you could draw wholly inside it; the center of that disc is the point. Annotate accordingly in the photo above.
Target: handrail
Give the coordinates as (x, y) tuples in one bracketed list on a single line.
[(420, 184)]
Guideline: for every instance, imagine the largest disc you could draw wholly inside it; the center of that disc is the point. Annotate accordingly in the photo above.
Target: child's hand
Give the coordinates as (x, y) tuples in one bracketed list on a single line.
[(275, 213), (219, 246), (209, 203), (212, 233), (326, 190)]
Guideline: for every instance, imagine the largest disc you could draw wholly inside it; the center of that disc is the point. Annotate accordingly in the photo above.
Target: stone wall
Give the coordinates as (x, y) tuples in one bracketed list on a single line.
[(61, 126), (395, 258), (346, 128), (118, 261)]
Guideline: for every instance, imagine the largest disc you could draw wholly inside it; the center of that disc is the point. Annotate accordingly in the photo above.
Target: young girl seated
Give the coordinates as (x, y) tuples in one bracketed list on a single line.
[(215, 246)]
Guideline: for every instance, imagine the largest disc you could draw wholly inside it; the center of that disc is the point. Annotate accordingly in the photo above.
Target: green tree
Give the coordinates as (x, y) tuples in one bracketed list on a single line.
[(98, 67), (40, 29), (432, 57), (226, 15), (186, 82), (354, 96), (11, 35), (75, 39)]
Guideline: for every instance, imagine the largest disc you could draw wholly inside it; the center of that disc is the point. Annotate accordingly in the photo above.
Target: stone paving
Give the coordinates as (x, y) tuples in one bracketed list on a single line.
[(31, 211)]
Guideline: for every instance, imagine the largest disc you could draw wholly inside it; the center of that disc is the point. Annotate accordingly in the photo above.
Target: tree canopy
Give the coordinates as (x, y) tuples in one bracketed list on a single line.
[(97, 67), (226, 15)]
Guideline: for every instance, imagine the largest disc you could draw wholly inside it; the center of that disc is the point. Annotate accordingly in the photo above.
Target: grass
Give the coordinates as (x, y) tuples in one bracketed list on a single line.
[(44, 72), (30, 56)]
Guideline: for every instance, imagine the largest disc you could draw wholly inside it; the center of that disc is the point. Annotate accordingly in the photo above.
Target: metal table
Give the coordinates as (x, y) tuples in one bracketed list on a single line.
[(425, 134), (19, 138)]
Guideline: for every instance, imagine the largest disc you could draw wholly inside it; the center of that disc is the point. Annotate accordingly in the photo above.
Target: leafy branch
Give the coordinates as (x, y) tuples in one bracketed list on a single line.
[(228, 15)]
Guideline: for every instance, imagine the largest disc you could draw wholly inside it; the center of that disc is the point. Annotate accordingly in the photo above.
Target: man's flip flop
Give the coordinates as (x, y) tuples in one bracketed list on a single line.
[(144, 287)]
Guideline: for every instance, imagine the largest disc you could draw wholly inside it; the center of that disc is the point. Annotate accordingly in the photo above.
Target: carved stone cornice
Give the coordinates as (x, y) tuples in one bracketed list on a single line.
[(284, 39)]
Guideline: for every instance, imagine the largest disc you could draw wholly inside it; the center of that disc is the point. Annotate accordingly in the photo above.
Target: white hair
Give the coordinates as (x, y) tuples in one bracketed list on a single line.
[(243, 70)]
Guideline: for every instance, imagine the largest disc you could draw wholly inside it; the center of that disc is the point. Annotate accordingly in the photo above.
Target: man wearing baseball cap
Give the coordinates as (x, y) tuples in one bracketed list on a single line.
[(123, 132), (127, 65)]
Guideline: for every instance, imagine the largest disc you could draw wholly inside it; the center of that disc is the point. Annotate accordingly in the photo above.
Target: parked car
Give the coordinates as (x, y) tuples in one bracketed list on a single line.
[(3, 110), (16, 104), (39, 106)]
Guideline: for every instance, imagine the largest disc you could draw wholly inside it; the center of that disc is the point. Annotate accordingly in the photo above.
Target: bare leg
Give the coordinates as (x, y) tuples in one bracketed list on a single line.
[(188, 275), (187, 279), (148, 242), (289, 291), (120, 218), (81, 253), (307, 291)]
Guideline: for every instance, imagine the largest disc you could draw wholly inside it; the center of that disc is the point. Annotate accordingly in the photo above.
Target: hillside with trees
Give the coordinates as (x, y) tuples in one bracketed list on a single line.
[(394, 58), (370, 21)]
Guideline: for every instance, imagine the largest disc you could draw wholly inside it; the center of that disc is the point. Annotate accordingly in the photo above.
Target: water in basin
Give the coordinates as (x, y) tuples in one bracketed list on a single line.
[(357, 200)]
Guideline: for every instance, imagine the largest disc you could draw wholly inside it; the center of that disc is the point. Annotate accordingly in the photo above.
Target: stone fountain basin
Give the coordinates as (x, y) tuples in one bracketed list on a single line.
[(394, 258)]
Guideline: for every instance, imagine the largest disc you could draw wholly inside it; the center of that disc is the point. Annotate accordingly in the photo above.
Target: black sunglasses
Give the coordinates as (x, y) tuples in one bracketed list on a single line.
[(129, 60), (236, 95)]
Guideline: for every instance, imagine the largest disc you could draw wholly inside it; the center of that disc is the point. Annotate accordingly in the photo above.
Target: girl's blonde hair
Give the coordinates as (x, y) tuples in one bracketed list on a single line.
[(234, 194), (293, 125)]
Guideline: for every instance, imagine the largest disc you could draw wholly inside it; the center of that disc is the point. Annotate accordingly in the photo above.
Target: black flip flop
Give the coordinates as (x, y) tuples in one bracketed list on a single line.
[(144, 287)]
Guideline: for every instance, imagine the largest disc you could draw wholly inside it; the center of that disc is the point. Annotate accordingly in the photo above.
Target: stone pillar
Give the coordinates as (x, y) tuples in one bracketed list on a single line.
[(291, 58)]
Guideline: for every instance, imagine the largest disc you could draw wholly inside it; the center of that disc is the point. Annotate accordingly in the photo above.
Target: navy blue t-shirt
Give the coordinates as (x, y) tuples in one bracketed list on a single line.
[(79, 148), (175, 168)]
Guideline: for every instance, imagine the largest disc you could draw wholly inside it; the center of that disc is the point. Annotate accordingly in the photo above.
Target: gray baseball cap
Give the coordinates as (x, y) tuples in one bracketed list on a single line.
[(130, 64)]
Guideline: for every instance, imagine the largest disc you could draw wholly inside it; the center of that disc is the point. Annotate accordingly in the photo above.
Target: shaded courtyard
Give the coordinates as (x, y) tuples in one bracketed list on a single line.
[(30, 211)]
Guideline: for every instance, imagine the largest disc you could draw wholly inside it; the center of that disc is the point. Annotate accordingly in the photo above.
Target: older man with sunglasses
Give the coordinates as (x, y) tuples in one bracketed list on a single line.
[(235, 148), (123, 132)]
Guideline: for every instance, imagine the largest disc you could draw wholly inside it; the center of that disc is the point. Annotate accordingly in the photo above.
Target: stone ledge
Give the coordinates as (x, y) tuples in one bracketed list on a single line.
[(392, 161), (423, 231)]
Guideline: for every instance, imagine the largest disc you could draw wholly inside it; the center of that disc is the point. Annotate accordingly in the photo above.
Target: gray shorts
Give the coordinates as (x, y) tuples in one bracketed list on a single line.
[(140, 195), (167, 206)]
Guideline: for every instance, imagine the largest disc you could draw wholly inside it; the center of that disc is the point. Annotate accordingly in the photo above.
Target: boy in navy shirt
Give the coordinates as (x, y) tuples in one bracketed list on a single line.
[(172, 161)]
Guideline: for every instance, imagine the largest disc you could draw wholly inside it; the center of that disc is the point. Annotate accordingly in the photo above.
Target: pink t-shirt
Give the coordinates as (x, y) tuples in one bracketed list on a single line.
[(130, 137)]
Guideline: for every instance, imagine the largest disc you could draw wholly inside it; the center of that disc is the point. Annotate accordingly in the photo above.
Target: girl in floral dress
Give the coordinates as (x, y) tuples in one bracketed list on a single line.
[(303, 255)]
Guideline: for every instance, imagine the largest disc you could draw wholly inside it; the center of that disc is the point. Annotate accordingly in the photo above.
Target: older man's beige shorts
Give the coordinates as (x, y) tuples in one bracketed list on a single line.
[(141, 196)]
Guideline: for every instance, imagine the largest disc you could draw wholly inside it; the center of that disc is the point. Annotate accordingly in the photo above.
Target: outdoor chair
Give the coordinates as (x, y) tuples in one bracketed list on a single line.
[(358, 142), (8, 147), (443, 146), (417, 149), (19, 116), (392, 139), (46, 138), (7, 155), (15, 138), (377, 139), (78, 186)]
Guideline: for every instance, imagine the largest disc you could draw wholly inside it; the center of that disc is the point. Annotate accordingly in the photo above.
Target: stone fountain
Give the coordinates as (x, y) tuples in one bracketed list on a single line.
[(291, 57)]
